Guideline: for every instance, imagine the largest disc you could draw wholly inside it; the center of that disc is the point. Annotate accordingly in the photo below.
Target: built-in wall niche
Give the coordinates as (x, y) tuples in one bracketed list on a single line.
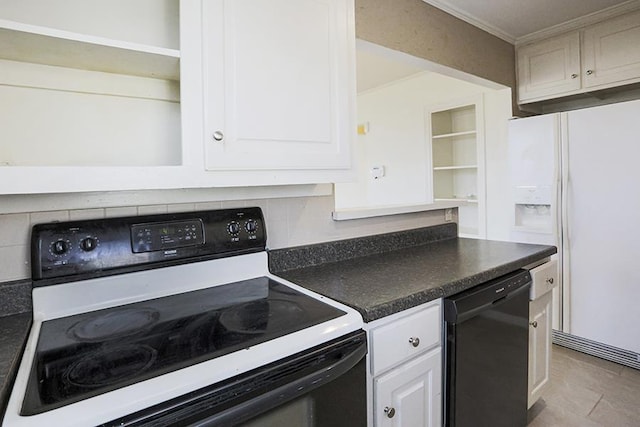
[(457, 145), (99, 91)]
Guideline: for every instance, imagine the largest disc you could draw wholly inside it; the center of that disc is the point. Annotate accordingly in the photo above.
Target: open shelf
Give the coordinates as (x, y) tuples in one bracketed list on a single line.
[(49, 46), (454, 135), (446, 168), (457, 148), (455, 199)]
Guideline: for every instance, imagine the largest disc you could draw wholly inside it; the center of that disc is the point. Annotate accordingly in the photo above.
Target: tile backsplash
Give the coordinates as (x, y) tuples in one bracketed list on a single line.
[(290, 222)]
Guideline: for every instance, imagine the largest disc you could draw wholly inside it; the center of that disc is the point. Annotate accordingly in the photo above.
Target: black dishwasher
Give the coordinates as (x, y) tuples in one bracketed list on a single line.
[(486, 353)]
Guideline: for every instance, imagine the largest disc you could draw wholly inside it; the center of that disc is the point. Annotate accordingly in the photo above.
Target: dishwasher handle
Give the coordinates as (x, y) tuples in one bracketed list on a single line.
[(471, 302)]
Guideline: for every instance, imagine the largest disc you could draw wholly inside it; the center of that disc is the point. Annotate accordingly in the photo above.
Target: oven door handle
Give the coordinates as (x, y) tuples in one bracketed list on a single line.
[(248, 409)]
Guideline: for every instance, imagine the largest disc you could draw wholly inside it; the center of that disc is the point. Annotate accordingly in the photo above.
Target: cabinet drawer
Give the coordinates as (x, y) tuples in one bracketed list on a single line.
[(545, 278), (405, 338)]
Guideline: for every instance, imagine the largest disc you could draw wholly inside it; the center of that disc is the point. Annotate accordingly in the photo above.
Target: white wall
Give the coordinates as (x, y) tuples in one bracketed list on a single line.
[(397, 140), (290, 222), (497, 107)]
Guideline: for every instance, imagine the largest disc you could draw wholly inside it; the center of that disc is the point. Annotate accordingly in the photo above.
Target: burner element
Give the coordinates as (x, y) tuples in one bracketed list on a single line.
[(114, 324), (256, 317), (110, 365)]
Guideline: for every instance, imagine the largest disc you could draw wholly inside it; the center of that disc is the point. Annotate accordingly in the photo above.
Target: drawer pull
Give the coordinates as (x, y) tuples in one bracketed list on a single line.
[(390, 412), (550, 280), (414, 341), (534, 323)]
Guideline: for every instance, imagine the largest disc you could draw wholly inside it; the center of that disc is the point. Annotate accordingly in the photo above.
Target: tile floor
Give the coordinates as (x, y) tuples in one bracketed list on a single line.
[(587, 391)]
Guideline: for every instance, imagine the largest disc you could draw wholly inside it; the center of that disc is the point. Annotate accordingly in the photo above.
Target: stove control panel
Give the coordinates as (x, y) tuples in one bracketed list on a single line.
[(166, 235), (77, 249)]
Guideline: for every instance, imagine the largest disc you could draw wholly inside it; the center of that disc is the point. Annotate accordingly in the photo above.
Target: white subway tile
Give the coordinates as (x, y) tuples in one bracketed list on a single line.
[(181, 207), (121, 211), (82, 214), (14, 229), (203, 206), (277, 209), (52, 216), (231, 204), (14, 263), (277, 234), (262, 204), (152, 209)]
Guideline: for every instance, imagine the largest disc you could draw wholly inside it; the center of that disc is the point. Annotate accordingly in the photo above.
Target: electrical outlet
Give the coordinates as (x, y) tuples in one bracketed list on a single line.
[(448, 215)]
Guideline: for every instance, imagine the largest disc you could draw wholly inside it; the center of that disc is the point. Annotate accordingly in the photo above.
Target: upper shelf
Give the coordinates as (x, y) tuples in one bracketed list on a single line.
[(454, 134), (42, 45)]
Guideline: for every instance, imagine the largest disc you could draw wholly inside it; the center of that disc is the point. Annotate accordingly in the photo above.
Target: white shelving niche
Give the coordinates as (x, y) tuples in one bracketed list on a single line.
[(457, 143), (96, 98)]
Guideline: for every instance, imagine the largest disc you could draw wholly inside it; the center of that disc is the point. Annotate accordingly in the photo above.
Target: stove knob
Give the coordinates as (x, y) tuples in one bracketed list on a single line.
[(251, 226), (59, 247), (88, 244), (233, 228)]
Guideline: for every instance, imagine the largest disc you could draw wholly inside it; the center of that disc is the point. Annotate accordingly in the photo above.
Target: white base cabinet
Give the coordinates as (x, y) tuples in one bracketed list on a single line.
[(545, 278), (409, 395), (405, 368), (539, 346)]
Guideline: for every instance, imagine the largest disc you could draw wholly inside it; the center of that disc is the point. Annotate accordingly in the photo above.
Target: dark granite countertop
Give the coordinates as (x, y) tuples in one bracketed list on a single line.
[(15, 323), (381, 284), (14, 330)]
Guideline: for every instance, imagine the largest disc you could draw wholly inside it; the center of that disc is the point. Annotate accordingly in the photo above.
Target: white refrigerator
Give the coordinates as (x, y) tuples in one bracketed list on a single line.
[(575, 180)]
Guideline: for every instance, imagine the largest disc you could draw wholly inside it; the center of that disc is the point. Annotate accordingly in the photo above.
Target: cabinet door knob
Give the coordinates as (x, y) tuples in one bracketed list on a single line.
[(534, 323), (389, 411), (414, 341), (218, 135), (550, 280), (574, 76), (589, 72)]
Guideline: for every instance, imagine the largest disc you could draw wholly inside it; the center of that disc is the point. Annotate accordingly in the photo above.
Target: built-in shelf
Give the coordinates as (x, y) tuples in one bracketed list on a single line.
[(457, 148), (449, 168), (454, 134), (456, 200), (49, 46)]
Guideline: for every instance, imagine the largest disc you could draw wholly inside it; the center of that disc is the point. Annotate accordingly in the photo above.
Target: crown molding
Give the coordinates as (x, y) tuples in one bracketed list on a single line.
[(580, 22), (470, 19)]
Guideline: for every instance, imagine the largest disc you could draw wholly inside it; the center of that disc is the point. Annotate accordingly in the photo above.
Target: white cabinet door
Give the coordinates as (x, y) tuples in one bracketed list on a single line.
[(539, 346), (549, 68), (410, 395), (611, 52), (278, 84)]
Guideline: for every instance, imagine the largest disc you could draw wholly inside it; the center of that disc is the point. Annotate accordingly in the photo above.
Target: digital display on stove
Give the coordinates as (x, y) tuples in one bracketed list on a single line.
[(88, 354), (162, 236)]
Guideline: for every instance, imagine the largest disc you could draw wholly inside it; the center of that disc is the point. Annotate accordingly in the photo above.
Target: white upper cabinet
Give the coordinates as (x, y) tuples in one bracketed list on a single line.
[(598, 56), (611, 52), (89, 95), (549, 67), (159, 94), (276, 99)]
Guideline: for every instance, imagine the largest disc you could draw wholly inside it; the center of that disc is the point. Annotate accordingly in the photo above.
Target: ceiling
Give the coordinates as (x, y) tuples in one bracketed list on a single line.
[(513, 19)]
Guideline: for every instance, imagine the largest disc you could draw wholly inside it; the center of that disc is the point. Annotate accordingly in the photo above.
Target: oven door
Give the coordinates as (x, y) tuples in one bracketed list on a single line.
[(324, 386)]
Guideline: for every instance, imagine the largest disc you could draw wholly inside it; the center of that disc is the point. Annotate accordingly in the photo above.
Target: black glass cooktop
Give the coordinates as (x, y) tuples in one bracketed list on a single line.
[(91, 353)]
